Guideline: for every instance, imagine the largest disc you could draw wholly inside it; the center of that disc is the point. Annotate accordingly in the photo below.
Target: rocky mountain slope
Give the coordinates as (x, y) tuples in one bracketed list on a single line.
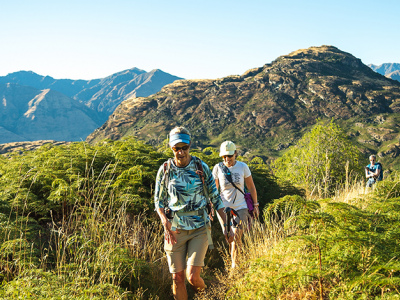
[(395, 75), (36, 107), (390, 70), (28, 114), (101, 95), (266, 109)]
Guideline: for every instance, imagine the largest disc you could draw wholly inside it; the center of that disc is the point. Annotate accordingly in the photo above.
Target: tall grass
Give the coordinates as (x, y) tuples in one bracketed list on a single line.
[(98, 250), (344, 247)]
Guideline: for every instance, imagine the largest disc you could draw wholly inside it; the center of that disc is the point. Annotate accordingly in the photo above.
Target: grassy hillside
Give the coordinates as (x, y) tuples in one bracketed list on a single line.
[(345, 247), (77, 221), (268, 109)]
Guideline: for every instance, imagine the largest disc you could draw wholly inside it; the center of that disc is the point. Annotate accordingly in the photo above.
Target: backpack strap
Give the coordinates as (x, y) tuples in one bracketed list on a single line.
[(165, 179), (228, 176), (200, 212), (200, 172)]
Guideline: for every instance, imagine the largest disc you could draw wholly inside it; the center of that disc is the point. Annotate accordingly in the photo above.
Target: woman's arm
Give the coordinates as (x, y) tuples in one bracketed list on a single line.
[(369, 173), (252, 189), (377, 172), (217, 183)]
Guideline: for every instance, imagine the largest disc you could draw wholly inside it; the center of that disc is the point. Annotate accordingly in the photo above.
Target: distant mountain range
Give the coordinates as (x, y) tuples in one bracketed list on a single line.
[(390, 70), (267, 109), (264, 111), (35, 107)]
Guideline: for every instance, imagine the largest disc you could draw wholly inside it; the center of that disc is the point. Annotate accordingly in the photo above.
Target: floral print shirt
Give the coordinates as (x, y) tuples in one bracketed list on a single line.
[(185, 192)]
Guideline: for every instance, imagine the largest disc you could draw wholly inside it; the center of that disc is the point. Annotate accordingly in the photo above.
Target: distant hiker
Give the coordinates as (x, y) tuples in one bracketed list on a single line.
[(231, 176), (183, 191), (373, 171)]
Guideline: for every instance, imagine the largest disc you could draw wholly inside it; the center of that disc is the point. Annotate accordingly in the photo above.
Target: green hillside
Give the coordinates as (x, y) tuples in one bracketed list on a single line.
[(77, 221), (268, 109)]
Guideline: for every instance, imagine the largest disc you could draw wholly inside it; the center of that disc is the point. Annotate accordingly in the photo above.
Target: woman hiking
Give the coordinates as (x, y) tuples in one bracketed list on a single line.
[(231, 176)]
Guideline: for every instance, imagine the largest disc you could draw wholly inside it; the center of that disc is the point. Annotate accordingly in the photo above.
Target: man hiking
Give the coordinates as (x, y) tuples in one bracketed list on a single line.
[(373, 172)]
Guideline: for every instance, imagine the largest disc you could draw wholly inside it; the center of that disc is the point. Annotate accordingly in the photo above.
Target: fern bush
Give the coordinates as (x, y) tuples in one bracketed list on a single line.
[(77, 221), (323, 249)]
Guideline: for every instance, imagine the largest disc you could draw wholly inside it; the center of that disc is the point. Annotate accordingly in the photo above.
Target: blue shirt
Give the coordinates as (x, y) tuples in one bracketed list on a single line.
[(373, 169), (185, 192)]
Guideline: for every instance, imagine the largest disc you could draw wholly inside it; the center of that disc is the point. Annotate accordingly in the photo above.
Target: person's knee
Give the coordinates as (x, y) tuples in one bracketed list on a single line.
[(195, 279), (178, 278)]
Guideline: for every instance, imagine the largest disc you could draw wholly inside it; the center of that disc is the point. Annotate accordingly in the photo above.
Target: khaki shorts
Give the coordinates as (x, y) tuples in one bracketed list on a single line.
[(192, 244)]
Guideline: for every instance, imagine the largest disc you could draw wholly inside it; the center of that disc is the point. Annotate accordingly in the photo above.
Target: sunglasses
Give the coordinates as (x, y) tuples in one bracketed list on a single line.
[(230, 156), (184, 148)]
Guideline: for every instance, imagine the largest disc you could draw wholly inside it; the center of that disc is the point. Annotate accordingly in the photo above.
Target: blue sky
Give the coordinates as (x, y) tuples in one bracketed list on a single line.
[(88, 39)]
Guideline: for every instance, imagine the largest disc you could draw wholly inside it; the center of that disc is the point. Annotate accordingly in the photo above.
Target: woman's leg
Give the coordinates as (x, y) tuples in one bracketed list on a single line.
[(235, 245), (176, 255), (178, 286), (243, 221), (197, 249)]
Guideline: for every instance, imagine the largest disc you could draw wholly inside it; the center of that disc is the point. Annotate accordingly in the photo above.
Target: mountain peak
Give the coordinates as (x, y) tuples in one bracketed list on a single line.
[(265, 108), (29, 97), (324, 53), (315, 50)]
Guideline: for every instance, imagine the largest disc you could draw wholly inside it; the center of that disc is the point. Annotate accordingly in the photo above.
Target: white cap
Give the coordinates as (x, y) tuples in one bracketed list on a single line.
[(227, 148)]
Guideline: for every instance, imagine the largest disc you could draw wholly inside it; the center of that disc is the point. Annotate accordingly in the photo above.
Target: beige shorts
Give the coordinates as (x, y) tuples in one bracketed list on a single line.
[(191, 244)]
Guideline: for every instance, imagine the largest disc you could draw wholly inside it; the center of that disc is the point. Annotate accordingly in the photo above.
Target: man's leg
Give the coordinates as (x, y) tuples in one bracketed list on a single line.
[(193, 276), (178, 286), (197, 249)]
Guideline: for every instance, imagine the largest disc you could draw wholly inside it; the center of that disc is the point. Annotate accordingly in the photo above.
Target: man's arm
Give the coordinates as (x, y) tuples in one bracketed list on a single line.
[(168, 233)]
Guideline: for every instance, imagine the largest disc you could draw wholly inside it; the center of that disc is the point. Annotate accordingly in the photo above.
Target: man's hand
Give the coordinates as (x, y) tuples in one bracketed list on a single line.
[(169, 234)]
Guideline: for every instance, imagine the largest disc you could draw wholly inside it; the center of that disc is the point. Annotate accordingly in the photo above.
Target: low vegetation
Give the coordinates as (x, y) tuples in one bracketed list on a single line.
[(77, 222), (344, 247), (322, 161)]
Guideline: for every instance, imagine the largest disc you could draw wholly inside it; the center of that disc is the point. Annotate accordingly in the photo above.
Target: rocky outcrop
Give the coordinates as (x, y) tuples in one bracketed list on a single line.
[(266, 107)]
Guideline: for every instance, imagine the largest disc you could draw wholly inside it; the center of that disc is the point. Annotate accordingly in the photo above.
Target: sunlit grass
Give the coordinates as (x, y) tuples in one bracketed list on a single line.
[(279, 258), (97, 251), (343, 247)]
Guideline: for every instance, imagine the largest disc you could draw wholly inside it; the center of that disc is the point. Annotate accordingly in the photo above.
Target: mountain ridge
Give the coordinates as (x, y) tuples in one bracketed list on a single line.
[(390, 70), (25, 112), (28, 115), (266, 108)]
